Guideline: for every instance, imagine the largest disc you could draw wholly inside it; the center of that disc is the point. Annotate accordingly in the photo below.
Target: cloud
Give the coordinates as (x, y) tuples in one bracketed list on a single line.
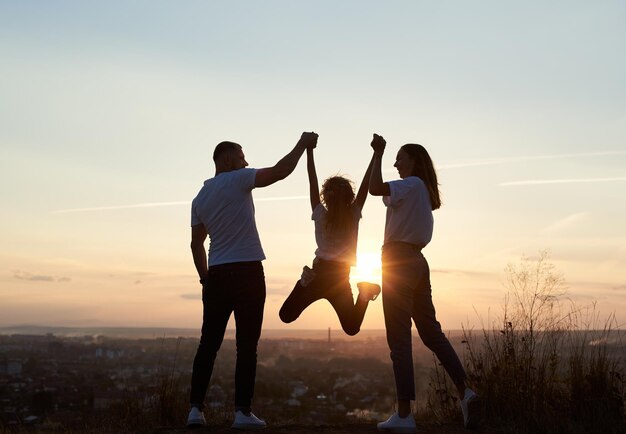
[(460, 272), (561, 181), (276, 199), (505, 160), (163, 204), (116, 207), (508, 160), (192, 296), (567, 222), (24, 275)]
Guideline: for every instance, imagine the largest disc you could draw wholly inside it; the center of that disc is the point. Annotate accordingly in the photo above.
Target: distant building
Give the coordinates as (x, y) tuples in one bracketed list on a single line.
[(103, 400), (14, 368)]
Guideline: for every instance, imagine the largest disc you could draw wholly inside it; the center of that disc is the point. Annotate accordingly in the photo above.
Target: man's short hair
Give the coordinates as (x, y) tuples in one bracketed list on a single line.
[(223, 148)]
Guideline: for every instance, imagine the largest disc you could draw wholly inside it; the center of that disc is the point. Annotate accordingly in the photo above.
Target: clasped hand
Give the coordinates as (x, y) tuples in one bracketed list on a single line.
[(378, 144), (309, 140)]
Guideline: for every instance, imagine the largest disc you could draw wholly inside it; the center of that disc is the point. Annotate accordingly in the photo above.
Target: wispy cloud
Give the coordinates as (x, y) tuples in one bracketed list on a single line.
[(505, 160), (508, 160), (459, 272), (566, 223), (117, 207), (162, 204), (561, 181), (275, 199), (25, 275)]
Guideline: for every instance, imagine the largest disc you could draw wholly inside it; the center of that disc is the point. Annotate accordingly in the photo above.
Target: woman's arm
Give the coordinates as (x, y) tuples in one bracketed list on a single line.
[(377, 187), (314, 190)]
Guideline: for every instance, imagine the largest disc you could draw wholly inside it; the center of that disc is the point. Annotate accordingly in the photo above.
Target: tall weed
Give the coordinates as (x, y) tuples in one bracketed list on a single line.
[(544, 365)]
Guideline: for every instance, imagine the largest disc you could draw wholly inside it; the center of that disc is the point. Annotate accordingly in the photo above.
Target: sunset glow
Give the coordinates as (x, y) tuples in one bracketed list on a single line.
[(110, 112), (368, 268)]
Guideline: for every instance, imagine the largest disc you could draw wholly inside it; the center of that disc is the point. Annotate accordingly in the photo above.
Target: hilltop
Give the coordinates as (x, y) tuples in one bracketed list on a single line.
[(351, 428)]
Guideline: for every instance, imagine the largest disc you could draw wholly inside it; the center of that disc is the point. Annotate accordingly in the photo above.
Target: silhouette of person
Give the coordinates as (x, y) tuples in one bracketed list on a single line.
[(336, 213), (406, 279), (232, 279)]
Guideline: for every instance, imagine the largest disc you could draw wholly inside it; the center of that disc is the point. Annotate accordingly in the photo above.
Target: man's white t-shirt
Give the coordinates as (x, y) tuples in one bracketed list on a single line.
[(331, 247), (409, 214), (224, 206)]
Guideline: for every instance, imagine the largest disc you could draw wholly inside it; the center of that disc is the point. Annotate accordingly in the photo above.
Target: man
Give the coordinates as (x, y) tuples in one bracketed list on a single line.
[(232, 279)]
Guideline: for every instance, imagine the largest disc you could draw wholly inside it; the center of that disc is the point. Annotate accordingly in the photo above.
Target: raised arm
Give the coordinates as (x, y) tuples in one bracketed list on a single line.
[(361, 195), (287, 164), (377, 187), (314, 189)]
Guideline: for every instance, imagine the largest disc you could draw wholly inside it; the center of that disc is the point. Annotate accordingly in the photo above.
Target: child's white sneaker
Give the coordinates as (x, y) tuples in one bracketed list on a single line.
[(307, 276), (369, 291)]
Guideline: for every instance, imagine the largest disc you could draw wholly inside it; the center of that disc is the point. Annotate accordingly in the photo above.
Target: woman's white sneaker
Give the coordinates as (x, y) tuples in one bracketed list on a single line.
[(472, 409), (398, 425)]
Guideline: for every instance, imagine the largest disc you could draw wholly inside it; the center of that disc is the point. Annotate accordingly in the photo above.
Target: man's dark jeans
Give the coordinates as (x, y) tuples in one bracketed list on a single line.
[(240, 288), (406, 296)]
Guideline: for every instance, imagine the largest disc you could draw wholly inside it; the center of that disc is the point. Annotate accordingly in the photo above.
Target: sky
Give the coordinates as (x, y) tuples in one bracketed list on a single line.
[(109, 113)]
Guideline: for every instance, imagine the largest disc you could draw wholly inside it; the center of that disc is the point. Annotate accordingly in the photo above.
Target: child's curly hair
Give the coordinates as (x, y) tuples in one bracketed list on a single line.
[(337, 196)]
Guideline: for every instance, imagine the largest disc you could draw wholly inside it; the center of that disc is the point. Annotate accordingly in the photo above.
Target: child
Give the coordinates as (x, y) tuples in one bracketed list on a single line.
[(406, 279), (336, 213)]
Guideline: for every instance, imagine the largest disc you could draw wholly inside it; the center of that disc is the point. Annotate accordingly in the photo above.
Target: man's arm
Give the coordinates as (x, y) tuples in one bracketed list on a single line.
[(361, 196), (377, 187), (198, 235), (287, 164), (314, 190)]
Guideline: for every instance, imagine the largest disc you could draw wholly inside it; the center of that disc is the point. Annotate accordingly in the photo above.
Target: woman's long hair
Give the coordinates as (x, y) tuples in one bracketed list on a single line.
[(424, 169), (337, 196)]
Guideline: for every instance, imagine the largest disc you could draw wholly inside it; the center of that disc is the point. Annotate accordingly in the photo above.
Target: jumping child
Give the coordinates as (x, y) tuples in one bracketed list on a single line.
[(336, 213)]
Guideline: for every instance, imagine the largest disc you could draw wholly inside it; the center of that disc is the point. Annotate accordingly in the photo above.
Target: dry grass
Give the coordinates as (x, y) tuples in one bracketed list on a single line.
[(545, 365)]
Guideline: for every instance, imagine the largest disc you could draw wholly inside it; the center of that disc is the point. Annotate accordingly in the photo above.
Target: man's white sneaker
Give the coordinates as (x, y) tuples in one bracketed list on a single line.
[(398, 425), (471, 407), (195, 418), (247, 422)]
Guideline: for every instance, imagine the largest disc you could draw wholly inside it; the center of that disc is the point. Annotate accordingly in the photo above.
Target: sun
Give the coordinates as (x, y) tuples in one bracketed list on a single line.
[(368, 268)]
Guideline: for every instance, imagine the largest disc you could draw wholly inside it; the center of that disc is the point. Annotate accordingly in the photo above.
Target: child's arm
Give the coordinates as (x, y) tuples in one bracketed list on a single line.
[(314, 190), (361, 196)]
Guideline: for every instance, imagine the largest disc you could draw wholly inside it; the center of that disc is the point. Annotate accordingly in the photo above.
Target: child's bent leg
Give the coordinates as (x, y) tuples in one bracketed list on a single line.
[(299, 299), (350, 314)]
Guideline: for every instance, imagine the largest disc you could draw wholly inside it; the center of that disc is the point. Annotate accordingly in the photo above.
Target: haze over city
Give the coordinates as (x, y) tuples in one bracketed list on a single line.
[(109, 113)]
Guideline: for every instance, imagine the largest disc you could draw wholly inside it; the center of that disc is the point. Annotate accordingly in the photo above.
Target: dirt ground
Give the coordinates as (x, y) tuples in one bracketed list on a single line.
[(356, 428)]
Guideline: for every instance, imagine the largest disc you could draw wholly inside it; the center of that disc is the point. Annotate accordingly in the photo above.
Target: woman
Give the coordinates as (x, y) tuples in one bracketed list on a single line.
[(336, 213), (406, 279)]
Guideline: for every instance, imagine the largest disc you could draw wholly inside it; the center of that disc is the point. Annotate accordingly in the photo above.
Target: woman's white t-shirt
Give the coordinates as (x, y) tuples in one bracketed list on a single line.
[(409, 215)]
